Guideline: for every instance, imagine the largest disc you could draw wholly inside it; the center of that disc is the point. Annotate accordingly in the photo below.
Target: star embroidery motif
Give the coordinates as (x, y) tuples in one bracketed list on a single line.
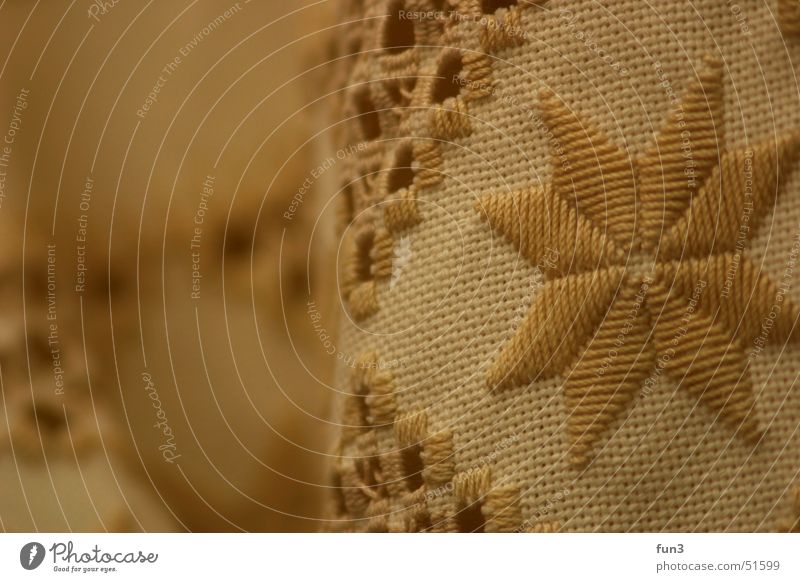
[(649, 278)]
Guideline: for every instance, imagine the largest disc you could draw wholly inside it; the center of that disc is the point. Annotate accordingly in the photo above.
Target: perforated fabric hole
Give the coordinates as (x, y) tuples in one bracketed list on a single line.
[(492, 6), (470, 518), (402, 175), (368, 118), (337, 487), (412, 467), (448, 77), (364, 244), (398, 32), (348, 203)]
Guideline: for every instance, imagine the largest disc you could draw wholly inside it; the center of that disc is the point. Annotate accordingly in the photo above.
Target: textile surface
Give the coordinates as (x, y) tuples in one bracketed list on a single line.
[(568, 269)]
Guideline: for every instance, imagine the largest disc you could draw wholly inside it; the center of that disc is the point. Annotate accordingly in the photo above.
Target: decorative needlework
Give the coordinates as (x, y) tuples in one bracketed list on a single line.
[(384, 174), (370, 241), (399, 55), (649, 276), (460, 78), (395, 474), (641, 367), (501, 21)]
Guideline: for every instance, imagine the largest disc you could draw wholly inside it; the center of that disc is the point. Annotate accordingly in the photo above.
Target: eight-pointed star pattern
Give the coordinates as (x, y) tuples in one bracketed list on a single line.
[(649, 278)]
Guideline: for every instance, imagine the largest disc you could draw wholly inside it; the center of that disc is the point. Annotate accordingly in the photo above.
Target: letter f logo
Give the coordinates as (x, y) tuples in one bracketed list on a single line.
[(31, 555)]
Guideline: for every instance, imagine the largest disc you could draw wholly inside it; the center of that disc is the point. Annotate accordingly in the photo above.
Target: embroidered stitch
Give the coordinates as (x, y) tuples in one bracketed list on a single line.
[(501, 21), (401, 212), (483, 506), (632, 290), (434, 18), (400, 91), (372, 247), (412, 487), (789, 16), (400, 56), (360, 270)]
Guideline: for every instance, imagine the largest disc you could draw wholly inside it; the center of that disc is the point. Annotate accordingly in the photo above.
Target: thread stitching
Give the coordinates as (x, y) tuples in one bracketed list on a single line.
[(617, 272)]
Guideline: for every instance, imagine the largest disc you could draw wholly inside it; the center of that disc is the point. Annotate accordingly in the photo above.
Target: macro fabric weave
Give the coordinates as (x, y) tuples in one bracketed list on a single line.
[(569, 267)]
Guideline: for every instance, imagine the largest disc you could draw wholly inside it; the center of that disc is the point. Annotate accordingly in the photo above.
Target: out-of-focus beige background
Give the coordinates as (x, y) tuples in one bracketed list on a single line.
[(159, 367)]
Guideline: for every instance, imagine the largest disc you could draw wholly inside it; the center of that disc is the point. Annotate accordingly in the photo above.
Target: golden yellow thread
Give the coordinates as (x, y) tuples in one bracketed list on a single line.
[(547, 230), (594, 172), (393, 471), (401, 64), (380, 398), (477, 71), (381, 254), (471, 485), (739, 191), (401, 212), (383, 490), (450, 120), (428, 157), (358, 283), (363, 300), (370, 248), (501, 509), (411, 428), (437, 457), (544, 344), (444, 521), (688, 142), (742, 296), (699, 354), (503, 30), (355, 499), (462, 78), (609, 372)]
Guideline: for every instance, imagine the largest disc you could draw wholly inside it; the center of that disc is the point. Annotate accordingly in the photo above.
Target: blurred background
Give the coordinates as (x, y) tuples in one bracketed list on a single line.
[(163, 235)]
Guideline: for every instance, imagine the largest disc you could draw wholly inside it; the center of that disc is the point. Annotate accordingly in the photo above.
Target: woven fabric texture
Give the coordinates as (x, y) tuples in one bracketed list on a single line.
[(569, 267)]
